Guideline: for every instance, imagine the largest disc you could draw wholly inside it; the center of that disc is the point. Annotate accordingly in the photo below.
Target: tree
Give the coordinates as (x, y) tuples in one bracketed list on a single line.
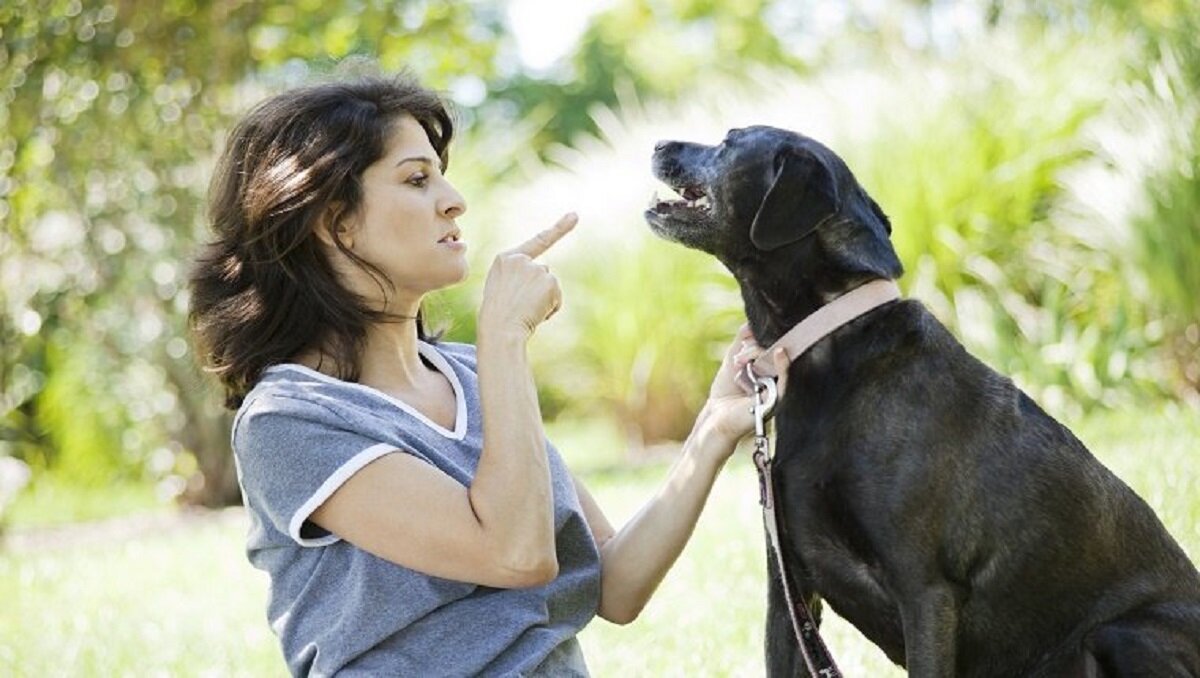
[(112, 115)]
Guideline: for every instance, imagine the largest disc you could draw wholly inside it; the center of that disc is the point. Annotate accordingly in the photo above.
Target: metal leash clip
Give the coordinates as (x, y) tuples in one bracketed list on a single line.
[(765, 396)]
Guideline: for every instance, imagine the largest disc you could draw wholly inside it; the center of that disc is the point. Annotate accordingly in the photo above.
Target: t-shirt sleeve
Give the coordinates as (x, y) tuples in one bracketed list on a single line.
[(292, 455)]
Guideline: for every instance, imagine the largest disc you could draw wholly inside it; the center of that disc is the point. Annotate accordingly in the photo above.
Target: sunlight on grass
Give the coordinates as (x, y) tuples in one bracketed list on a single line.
[(183, 601)]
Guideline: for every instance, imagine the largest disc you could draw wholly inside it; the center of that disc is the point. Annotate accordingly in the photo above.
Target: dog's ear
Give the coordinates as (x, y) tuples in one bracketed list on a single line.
[(801, 198)]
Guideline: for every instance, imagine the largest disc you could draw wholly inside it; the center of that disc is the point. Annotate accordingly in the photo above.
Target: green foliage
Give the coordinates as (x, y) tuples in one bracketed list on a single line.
[(647, 335), (980, 221), (1167, 233), (111, 117), (1160, 239), (1170, 233), (678, 43), (88, 451)]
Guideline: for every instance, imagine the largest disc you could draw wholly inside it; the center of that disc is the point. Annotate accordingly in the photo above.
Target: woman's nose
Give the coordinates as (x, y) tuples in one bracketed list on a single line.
[(452, 204)]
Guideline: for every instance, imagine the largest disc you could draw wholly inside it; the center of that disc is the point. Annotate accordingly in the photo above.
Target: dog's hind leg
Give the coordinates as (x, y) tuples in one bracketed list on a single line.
[(1162, 642)]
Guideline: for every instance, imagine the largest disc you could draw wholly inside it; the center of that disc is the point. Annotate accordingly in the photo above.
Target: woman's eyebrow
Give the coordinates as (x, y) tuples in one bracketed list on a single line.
[(419, 158)]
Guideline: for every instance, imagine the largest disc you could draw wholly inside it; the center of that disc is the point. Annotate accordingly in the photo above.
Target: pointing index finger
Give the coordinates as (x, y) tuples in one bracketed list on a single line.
[(538, 244)]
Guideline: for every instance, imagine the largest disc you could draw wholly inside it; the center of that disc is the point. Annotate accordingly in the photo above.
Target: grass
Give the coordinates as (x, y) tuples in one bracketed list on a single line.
[(181, 600)]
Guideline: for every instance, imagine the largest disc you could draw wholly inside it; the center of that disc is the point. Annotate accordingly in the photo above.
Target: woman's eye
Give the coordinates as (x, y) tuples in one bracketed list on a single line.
[(418, 180)]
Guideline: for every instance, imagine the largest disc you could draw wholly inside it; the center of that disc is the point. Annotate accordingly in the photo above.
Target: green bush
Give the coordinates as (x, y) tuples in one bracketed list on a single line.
[(648, 322), (973, 179), (1167, 233)]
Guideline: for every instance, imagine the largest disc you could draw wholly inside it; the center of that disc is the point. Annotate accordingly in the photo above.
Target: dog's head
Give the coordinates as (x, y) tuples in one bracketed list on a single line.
[(780, 210)]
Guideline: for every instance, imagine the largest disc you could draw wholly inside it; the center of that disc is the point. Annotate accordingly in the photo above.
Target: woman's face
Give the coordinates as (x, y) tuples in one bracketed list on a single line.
[(405, 225)]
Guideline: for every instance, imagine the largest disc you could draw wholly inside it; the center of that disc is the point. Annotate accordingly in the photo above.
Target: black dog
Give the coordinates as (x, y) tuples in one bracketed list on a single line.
[(925, 497)]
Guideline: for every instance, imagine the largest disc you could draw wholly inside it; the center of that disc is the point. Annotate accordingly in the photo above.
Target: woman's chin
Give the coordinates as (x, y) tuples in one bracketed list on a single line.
[(453, 276)]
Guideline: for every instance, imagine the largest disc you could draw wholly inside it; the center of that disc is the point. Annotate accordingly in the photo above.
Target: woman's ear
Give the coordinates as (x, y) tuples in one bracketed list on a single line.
[(334, 226)]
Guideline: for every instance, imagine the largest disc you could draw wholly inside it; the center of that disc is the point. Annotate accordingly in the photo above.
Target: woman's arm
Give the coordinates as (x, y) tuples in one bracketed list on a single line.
[(511, 496), (499, 531), (635, 559)]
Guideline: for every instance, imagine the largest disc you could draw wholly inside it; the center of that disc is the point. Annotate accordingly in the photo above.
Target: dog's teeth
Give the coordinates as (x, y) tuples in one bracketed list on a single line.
[(702, 201)]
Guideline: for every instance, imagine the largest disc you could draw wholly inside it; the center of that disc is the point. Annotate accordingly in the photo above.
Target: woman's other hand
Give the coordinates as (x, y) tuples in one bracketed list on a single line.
[(728, 414), (520, 293)]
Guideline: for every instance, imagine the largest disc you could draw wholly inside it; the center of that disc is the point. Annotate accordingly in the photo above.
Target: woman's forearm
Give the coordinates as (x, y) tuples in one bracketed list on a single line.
[(637, 557), (511, 493)]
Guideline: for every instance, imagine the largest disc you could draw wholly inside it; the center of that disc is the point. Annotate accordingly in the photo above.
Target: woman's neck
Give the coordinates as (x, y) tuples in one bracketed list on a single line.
[(390, 358)]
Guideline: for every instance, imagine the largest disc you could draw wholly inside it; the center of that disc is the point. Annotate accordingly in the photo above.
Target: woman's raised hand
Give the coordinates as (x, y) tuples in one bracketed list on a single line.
[(520, 293)]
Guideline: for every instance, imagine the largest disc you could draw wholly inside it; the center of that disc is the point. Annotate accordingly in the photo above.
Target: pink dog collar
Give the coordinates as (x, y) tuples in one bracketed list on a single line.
[(822, 323)]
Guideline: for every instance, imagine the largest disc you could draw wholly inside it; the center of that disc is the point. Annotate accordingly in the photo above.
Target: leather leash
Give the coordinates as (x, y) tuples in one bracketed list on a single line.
[(812, 648), (760, 382)]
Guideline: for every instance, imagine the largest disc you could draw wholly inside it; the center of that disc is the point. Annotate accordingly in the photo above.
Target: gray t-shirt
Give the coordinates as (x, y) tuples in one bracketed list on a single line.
[(336, 608)]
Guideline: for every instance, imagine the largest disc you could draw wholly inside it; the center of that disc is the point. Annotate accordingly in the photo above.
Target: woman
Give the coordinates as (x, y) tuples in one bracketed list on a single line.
[(404, 501)]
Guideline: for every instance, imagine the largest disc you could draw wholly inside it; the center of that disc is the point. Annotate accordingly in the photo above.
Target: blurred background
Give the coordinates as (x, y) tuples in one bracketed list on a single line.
[(1038, 159)]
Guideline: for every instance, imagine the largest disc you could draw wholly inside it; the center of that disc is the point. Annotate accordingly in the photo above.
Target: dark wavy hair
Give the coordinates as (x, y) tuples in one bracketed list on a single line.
[(264, 290)]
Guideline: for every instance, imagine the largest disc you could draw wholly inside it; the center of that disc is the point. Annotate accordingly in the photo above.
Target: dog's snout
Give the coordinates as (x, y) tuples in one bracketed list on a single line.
[(661, 145)]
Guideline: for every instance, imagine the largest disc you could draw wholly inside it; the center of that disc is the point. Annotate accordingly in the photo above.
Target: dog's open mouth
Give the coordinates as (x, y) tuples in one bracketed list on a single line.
[(694, 200)]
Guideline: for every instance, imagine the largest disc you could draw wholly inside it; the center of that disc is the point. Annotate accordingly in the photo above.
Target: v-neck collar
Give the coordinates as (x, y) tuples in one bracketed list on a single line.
[(439, 362)]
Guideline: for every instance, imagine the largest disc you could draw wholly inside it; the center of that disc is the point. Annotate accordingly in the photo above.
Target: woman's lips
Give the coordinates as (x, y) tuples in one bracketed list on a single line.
[(453, 242)]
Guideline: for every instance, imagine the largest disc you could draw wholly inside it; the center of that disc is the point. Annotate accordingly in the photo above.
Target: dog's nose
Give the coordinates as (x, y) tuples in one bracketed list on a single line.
[(661, 145)]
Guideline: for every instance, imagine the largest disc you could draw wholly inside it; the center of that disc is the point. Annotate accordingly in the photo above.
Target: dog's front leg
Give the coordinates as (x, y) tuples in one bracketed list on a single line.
[(930, 621)]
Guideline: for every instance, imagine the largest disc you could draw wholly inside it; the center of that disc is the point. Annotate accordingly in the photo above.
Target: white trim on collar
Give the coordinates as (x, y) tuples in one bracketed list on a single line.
[(439, 362)]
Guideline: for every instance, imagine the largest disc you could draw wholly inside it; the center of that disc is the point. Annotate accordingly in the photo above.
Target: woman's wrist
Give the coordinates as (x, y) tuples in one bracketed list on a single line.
[(506, 334), (707, 442)]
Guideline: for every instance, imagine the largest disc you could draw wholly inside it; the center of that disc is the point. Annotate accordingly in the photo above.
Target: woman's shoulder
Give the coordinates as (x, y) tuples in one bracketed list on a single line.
[(298, 392)]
